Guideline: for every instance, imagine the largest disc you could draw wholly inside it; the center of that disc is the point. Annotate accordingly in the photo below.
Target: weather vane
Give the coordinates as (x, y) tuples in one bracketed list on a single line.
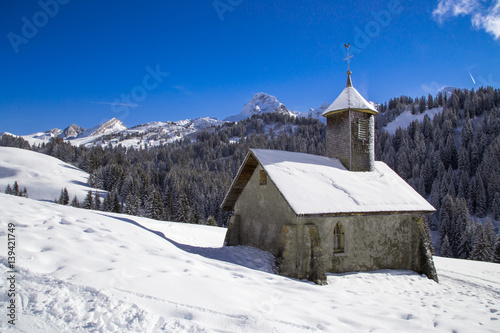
[(347, 46)]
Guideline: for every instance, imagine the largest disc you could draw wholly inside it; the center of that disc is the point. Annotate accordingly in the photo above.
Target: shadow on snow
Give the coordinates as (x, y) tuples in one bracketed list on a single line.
[(239, 255)]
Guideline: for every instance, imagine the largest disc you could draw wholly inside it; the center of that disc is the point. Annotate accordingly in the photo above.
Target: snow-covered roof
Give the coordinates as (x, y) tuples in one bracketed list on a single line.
[(350, 99), (318, 185)]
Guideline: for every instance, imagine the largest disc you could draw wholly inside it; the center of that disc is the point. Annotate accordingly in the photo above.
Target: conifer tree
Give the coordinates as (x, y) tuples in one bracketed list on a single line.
[(430, 101), (481, 200), (131, 206), (496, 252), (115, 203), (496, 206), (96, 203), (467, 133), (64, 197), (107, 204), (422, 105), (154, 207), (75, 202), (8, 189), (88, 202), (466, 241), (463, 186), (446, 248), (464, 160), (480, 251), (15, 189), (446, 217), (489, 237)]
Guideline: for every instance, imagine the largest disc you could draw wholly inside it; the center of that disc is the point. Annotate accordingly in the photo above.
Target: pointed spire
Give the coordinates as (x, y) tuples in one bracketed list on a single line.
[(349, 81)]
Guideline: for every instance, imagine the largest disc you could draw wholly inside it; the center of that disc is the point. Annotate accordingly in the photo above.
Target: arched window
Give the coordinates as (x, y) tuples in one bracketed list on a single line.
[(338, 239)]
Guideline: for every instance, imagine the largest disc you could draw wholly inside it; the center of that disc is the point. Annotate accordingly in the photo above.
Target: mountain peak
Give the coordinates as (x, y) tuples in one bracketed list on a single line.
[(263, 103), (259, 104), (72, 131), (108, 127)]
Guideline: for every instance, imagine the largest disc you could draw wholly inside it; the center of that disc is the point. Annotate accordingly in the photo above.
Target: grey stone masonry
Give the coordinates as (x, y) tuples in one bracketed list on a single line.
[(350, 138)]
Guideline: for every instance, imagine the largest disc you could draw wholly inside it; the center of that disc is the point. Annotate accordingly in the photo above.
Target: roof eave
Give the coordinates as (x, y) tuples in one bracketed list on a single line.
[(409, 212), (329, 113)]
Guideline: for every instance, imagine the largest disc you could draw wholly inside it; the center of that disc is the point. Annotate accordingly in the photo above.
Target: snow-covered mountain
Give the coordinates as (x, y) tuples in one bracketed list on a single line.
[(72, 131), (259, 104), (115, 132), (317, 113), (157, 133), (108, 127)]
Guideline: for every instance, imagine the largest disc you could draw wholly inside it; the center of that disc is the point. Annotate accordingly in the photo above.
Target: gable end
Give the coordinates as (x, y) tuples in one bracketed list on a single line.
[(239, 183)]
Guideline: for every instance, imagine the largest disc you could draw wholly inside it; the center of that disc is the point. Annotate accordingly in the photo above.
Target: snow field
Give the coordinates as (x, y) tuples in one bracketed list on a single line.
[(43, 176), (83, 271), (405, 118)]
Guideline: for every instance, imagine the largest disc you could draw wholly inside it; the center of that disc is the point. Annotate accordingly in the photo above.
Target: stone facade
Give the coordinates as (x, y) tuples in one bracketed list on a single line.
[(350, 138), (259, 215)]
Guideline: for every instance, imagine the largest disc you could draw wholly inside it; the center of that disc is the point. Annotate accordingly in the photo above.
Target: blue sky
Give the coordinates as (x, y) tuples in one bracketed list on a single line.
[(71, 61)]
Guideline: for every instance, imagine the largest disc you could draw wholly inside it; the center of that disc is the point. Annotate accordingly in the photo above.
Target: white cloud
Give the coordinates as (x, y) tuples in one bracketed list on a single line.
[(484, 14), (184, 91), (132, 105)]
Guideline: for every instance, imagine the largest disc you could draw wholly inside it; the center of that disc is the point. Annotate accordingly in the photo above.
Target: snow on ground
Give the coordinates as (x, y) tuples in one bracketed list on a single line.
[(43, 176), (82, 271), (405, 118)]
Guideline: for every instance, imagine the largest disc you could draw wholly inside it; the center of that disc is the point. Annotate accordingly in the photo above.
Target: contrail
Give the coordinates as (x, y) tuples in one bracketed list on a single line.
[(472, 78)]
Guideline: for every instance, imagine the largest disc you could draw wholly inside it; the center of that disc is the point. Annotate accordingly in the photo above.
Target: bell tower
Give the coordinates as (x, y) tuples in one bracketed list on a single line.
[(350, 133)]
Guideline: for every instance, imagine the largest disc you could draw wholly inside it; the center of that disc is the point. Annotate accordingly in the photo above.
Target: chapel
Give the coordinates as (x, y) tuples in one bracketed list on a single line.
[(343, 212)]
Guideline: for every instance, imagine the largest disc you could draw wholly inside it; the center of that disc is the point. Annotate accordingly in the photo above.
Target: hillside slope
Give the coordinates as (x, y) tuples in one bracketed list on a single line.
[(43, 176), (80, 270)]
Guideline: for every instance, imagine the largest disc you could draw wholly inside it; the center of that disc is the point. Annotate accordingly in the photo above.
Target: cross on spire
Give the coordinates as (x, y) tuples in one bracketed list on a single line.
[(349, 82), (347, 46)]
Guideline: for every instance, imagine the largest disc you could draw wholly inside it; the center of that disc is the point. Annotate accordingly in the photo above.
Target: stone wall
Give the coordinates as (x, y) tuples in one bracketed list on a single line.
[(259, 216), (371, 242), (343, 139), (338, 137)]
